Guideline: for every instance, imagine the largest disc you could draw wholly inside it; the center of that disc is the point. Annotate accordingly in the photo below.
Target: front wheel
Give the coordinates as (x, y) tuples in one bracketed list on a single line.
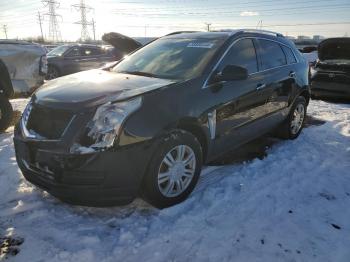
[(174, 170), (293, 125), (6, 112)]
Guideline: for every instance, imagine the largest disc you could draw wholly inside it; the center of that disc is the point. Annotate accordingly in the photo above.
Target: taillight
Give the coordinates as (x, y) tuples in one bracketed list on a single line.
[(43, 65)]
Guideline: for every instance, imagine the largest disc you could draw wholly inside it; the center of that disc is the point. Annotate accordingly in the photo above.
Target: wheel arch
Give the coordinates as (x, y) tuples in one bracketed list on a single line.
[(194, 127), (306, 94)]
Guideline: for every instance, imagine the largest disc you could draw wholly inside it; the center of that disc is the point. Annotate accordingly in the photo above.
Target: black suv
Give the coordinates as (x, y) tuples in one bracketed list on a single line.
[(330, 78), (146, 126)]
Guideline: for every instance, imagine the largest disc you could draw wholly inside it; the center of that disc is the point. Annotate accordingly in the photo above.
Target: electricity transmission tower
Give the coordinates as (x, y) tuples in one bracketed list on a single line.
[(84, 9), (54, 30)]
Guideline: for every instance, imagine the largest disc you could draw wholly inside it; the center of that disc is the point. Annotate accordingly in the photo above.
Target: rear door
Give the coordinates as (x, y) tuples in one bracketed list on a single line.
[(90, 58), (71, 62), (243, 101), (278, 74)]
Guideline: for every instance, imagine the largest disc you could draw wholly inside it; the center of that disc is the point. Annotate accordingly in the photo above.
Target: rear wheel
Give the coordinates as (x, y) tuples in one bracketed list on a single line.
[(6, 112), (292, 127), (174, 170), (52, 73)]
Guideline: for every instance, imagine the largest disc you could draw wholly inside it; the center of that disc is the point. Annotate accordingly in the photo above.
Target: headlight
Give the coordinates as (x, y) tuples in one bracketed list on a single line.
[(313, 71), (104, 128)]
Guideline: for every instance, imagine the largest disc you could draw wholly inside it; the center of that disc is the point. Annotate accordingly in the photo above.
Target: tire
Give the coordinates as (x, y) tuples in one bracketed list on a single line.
[(156, 183), (52, 73), (6, 113), (286, 130)]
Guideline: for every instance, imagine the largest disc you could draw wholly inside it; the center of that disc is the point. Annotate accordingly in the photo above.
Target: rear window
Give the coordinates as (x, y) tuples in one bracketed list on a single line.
[(271, 54), (289, 55)]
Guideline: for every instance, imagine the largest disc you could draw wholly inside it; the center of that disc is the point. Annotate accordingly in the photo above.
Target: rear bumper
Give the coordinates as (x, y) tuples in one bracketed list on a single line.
[(27, 86), (99, 179), (329, 89)]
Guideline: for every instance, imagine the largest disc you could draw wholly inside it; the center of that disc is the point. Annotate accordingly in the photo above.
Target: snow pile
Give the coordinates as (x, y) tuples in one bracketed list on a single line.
[(291, 206)]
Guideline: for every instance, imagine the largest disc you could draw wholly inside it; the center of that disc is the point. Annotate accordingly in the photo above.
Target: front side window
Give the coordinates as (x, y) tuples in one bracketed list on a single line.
[(271, 54), (171, 58), (73, 52), (242, 54)]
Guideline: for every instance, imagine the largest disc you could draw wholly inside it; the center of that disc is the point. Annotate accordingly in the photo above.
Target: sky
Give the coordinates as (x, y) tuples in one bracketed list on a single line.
[(152, 18)]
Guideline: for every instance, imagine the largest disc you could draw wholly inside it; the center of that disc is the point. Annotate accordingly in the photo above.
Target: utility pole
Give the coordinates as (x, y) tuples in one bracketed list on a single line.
[(83, 9), (208, 26), (5, 30), (54, 30), (94, 28), (41, 27), (260, 24)]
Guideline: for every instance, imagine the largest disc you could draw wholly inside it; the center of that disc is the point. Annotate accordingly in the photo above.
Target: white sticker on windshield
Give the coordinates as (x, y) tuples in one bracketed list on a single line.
[(200, 45)]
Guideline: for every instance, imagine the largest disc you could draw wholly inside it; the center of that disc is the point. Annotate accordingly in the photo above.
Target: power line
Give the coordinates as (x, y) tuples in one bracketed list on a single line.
[(84, 9), (54, 30)]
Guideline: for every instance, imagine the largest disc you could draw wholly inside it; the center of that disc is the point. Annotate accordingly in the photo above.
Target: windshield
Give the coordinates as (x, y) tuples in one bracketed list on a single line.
[(58, 51), (178, 59)]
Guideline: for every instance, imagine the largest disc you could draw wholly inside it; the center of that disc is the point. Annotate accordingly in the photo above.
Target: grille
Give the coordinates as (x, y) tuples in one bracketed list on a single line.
[(48, 123)]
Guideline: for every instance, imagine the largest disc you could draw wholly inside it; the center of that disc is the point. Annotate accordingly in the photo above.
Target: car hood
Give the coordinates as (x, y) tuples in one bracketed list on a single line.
[(94, 87), (334, 49), (123, 43)]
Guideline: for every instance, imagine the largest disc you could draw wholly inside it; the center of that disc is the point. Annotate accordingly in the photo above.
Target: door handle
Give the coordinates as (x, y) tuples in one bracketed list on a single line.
[(260, 86), (292, 74)]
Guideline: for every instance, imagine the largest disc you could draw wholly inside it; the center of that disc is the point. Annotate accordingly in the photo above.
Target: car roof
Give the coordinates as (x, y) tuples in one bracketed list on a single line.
[(83, 45), (198, 35), (227, 33)]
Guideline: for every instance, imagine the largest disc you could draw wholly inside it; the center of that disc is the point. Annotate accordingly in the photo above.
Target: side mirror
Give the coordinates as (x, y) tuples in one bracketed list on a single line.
[(232, 72)]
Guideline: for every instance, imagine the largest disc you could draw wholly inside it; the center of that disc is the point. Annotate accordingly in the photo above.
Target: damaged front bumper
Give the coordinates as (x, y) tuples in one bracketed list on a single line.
[(111, 177), (330, 90)]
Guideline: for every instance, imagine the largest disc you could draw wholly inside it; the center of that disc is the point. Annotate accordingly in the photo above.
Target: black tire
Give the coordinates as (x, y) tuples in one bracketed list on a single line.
[(285, 130), (150, 189), (52, 73), (6, 113)]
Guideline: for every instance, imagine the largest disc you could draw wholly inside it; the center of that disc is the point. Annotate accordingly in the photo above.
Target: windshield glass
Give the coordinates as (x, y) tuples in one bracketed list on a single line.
[(58, 51), (178, 59)]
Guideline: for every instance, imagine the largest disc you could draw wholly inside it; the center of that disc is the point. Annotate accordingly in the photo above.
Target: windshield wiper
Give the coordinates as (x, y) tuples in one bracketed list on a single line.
[(139, 73)]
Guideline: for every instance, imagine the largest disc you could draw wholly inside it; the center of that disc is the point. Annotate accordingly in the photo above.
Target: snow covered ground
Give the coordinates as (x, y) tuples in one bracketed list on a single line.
[(291, 206)]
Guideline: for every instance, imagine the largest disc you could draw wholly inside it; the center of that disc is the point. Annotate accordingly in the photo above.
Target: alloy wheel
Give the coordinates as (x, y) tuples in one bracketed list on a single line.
[(297, 119)]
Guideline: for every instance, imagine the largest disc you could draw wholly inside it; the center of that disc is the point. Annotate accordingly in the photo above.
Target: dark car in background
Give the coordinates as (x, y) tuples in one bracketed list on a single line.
[(330, 78), (73, 58), (146, 126)]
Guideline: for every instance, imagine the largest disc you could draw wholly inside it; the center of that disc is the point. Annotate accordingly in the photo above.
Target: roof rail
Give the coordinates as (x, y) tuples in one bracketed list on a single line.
[(262, 32)]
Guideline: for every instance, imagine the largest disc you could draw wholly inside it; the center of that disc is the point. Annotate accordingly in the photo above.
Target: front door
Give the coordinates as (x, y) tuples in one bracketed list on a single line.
[(244, 100)]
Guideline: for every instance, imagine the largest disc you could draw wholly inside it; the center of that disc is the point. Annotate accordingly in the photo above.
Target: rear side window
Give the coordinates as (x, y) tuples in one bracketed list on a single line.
[(289, 54), (271, 54), (242, 54), (86, 51)]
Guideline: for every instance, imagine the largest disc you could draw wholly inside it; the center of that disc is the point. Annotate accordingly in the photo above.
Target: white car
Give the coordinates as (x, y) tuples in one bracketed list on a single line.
[(26, 64)]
